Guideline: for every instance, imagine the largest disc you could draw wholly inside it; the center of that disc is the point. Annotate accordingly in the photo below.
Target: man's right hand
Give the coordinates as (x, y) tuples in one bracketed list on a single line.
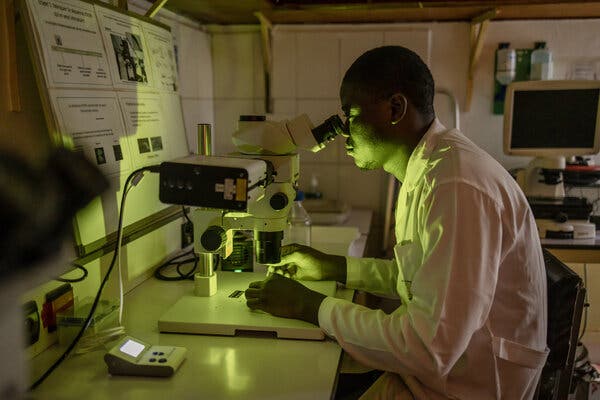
[(305, 263)]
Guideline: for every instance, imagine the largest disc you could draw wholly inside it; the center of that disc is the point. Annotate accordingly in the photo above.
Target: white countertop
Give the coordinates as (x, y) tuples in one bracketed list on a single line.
[(216, 367)]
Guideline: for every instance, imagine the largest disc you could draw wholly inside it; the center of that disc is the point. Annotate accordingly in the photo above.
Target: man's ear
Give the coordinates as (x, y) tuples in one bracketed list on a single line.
[(399, 104)]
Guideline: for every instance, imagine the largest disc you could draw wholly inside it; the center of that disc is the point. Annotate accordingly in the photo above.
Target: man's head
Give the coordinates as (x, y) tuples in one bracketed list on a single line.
[(387, 96)]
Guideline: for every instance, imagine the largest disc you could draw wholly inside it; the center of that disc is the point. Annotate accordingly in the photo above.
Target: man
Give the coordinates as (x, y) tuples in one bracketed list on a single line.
[(468, 265)]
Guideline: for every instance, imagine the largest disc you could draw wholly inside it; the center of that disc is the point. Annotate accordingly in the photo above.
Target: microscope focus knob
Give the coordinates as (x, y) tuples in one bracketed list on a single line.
[(213, 238), (278, 201)]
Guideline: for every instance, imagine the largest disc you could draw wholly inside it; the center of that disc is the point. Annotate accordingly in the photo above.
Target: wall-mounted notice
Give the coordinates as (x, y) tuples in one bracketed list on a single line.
[(71, 44), (144, 128), (112, 91), (126, 49), (88, 118), (162, 53)]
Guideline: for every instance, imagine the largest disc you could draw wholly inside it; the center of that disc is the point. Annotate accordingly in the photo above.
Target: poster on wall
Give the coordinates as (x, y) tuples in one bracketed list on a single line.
[(144, 128), (111, 92), (88, 119), (126, 49), (162, 53), (70, 42)]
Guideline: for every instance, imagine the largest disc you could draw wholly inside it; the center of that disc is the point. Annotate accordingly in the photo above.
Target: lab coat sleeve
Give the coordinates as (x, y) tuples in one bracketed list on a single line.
[(452, 290), (372, 275)]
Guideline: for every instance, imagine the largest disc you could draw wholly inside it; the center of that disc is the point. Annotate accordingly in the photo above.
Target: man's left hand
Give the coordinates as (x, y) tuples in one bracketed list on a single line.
[(284, 297)]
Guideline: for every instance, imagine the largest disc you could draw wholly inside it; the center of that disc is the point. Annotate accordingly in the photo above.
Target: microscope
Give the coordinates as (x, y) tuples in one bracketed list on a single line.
[(557, 216), (252, 190)]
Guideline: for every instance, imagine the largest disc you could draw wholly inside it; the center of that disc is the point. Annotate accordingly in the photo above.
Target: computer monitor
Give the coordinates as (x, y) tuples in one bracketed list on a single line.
[(552, 118)]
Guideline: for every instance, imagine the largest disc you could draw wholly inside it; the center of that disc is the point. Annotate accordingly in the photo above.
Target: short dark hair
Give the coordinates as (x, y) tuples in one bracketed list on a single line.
[(386, 70)]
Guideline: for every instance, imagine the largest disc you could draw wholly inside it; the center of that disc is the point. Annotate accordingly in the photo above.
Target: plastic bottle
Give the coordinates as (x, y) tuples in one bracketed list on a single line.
[(314, 192), (541, 62), (299, 223), (506, 63)]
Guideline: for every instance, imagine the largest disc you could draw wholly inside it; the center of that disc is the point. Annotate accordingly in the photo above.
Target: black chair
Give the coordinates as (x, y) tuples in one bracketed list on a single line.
[(566, 295)]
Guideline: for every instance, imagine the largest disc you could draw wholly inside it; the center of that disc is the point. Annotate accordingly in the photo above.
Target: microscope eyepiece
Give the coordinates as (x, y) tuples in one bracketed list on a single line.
[(328, 130)]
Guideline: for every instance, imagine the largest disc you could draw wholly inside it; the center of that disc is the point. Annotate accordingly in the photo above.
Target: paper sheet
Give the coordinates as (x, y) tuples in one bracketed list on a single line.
[(88, 118), (70, 41)]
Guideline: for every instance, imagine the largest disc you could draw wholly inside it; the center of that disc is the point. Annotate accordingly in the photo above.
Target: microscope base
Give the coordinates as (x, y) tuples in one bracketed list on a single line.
[(205, 286), (571, 229)]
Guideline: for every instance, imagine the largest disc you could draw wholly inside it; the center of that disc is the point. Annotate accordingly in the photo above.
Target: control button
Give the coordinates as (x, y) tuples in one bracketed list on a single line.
[(152, 360), (155, 353), (162, 360), (160, 353), (189, 186)]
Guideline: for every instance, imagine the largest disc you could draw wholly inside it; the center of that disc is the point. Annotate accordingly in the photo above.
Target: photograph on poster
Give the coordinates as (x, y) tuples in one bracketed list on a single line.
[(129, 55)]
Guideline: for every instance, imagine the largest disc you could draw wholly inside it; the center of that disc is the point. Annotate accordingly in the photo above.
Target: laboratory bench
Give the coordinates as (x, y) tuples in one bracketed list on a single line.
[(584, 251), (249, 366)]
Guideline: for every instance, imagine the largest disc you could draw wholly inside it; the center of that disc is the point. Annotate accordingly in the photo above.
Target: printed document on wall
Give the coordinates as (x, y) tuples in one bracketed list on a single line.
[(161, 52), (145, 128), (67, 35), (89, 119), (126, 49)]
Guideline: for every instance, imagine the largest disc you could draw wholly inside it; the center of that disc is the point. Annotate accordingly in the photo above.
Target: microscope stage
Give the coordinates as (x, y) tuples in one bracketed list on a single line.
[(226, 313)]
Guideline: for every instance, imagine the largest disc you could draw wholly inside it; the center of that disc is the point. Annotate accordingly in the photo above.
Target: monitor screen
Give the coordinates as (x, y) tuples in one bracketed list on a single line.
[(552, 118)]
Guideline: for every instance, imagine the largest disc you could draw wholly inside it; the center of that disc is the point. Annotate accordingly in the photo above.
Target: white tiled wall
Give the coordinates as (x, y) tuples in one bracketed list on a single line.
[(238, 77)]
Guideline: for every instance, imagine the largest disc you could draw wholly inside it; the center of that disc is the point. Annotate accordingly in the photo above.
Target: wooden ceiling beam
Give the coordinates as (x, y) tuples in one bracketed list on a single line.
[(242, 12)]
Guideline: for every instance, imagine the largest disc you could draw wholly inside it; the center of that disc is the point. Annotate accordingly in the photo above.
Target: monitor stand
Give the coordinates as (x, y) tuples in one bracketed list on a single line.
[(543, 177)]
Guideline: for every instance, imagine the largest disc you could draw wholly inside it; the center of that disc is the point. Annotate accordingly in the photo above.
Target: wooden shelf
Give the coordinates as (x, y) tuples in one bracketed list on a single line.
[(374, 11)]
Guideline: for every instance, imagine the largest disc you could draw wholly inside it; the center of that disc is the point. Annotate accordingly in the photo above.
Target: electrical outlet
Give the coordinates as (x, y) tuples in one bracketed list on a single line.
[(187, 234)]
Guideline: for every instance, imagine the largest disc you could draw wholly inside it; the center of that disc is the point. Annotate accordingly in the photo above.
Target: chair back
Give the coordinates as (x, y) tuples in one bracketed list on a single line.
[(566, 295)]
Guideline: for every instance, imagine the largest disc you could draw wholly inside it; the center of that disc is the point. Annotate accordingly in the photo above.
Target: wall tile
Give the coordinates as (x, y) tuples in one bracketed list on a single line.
[(196, 111), (416, 39), (258, 67), (284, 108), (227, 112), (189, 56), (204, 65), (284, 64), (317, 65), (233, 56)]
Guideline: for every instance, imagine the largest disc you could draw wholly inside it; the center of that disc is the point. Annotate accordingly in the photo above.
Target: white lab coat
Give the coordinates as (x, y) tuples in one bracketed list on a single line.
[(469, 271)]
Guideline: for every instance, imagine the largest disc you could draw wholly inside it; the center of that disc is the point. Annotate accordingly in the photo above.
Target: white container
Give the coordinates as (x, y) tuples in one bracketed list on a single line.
[(299, 226), (506, 64), (541, 62), (337, 240)]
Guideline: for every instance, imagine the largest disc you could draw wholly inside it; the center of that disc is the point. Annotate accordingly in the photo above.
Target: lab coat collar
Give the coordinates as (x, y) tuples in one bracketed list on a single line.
[(418, 161)]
